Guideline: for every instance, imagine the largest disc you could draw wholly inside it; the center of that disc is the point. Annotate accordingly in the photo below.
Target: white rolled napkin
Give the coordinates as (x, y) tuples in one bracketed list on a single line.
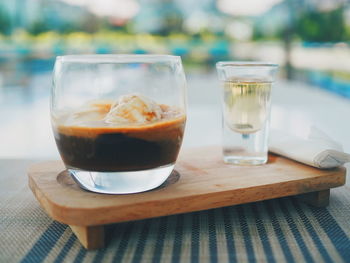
[(317, 150)]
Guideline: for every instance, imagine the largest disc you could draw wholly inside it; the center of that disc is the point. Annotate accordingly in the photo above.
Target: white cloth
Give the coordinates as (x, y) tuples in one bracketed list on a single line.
[(317, 150)]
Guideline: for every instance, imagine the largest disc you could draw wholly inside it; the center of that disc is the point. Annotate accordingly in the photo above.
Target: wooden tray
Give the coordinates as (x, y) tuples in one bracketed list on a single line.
[(201, 181)]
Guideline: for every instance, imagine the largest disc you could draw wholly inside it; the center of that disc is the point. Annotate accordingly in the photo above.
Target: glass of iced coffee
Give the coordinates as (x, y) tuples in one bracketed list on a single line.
[(118, 120)]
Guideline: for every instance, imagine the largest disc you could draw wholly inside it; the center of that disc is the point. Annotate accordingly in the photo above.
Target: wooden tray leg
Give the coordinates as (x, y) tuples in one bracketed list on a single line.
[(317, 199), (91, 237)]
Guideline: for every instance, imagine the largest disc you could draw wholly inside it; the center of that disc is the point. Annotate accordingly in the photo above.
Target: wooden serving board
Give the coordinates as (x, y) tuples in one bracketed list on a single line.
[(201, 181)]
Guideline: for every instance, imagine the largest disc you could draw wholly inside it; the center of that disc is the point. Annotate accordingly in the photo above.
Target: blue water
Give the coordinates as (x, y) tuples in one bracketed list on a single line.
[(328, 82), (32, 77)]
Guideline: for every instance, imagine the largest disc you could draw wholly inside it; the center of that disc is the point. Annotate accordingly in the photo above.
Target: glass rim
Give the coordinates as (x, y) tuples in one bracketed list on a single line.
[(246, 64), (117, 58)]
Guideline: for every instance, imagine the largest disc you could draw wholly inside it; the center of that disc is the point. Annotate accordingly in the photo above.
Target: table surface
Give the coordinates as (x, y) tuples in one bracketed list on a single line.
[(280, 230)]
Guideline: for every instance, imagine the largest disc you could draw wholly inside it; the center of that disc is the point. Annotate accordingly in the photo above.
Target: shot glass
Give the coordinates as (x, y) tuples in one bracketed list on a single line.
[(118, 120), (246, 102)]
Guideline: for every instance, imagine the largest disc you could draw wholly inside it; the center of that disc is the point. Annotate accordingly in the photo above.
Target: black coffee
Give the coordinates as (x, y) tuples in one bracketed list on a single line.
[(120, 149)]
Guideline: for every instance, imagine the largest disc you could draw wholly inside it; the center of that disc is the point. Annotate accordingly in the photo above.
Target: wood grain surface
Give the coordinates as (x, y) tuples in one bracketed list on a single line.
[(202, 181)]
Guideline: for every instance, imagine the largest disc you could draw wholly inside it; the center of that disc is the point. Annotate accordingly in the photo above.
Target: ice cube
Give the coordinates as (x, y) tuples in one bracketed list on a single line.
[(134, 109), (90, 112)]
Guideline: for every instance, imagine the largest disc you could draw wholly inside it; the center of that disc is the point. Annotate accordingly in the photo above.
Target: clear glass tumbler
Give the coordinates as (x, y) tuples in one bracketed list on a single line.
[(118, 120), (246, 89)]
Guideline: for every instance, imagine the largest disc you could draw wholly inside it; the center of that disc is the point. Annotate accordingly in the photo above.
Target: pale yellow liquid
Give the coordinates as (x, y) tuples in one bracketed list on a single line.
[(246, 105)]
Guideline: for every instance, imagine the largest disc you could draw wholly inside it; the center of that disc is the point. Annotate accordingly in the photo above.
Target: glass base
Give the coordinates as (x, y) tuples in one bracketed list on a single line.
[(244, 160), (121, 182), (245, 149)]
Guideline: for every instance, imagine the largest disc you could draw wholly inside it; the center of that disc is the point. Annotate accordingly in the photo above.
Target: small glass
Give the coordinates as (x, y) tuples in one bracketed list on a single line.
[(246, 102), (118, 120)]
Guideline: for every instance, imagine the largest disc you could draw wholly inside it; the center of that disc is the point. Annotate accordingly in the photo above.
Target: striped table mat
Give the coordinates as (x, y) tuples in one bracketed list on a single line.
[(280, 230)]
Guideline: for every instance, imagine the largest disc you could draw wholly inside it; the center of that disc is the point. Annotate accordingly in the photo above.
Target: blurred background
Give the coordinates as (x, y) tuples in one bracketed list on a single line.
[(310, 39)]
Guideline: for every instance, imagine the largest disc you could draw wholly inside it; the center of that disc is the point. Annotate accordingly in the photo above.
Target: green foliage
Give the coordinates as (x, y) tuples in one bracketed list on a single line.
[(5, 23), (306, 24), (321, 26), (260, 34), (38, 27)]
